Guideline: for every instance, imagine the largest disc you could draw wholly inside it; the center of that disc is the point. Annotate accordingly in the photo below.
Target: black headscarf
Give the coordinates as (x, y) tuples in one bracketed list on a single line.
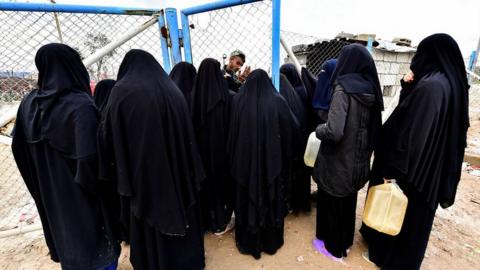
[(102, 92), (425, 137), (290, 71), (208, 93), (147, 124), (183, 74), (63, 86), (260, 140), (441, 52), (356, 73)]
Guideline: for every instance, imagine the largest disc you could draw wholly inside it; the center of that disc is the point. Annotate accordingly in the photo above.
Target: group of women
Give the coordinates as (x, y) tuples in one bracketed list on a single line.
[(157, 160)]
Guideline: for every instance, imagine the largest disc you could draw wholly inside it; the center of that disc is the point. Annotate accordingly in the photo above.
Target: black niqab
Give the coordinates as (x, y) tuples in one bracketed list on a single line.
[(102, 92), (183, 74), (211, 115), (357, 73)]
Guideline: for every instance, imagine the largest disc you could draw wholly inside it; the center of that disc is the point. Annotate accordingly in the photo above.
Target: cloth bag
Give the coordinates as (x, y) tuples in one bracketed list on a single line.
[(311, 152), (385, 208)]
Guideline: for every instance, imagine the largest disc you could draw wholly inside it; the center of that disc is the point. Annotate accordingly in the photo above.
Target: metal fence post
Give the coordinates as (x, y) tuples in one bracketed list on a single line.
[(172, 23), (163, 42), (471, 61), (370, 45), (276, 44), (187, 48)]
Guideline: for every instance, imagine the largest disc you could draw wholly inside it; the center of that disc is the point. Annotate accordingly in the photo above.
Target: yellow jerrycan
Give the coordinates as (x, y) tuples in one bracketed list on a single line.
[(385, 208)]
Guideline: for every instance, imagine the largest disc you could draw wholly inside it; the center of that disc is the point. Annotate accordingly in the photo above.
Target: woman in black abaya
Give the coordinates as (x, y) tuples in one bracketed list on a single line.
[(423, 144), (183, 74), (260, 140), (54, 145), (211, 115), (300, 181), (147, 134), (348, 139)]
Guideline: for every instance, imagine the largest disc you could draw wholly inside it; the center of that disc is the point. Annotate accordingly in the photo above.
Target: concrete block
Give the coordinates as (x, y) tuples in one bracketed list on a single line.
[(382, 67), (387, 79), (394, 68), (390, 57), (404, 68), (403, 57), (378, 55)]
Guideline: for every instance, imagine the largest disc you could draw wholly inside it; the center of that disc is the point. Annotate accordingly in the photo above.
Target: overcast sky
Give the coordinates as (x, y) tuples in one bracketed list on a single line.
[(414, 19)]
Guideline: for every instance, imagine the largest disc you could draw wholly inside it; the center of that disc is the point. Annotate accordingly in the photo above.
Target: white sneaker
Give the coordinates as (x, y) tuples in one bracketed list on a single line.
[(229, 227), (366, 257)]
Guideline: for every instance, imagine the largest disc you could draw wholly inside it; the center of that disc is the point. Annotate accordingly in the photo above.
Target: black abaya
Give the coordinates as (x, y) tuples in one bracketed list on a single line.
[(147, 134), (336, 222), (260, 140), (300, 181), (54, 147), (211, 115), (423, 144)]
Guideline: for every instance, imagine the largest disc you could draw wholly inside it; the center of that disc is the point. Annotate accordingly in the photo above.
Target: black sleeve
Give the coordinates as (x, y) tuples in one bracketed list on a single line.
[(333, 129)]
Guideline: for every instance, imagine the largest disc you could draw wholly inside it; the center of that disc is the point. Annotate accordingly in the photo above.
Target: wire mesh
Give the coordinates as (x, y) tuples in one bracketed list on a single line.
[(23, 33), (248, 27), (18, 208), (296, 40)]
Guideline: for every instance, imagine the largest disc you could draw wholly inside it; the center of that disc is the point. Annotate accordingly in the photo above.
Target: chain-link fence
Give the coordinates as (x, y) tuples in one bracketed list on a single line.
[(23, 33), (18, 208), (300, 42), (247, 27)]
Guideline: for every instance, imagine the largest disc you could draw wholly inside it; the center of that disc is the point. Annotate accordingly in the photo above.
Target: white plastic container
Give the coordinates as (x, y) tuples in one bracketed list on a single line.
[(313, 145)]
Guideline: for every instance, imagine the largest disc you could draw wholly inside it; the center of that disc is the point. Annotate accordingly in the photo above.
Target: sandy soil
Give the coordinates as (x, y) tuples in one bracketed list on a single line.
[(454, 243)]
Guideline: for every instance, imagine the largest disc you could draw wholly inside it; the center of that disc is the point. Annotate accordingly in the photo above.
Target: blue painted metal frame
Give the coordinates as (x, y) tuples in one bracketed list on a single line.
[(172, 23), (471, 60), (370, 45), (276, 44), (216, 5), (187, 47), (163, 42), (40, 7)]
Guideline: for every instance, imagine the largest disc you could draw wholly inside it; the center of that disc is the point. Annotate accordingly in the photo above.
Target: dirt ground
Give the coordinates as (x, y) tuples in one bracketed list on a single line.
[(454, 243)]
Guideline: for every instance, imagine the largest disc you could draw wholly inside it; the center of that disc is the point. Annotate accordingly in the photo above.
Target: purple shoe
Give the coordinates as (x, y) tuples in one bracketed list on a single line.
[(319, 245)]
